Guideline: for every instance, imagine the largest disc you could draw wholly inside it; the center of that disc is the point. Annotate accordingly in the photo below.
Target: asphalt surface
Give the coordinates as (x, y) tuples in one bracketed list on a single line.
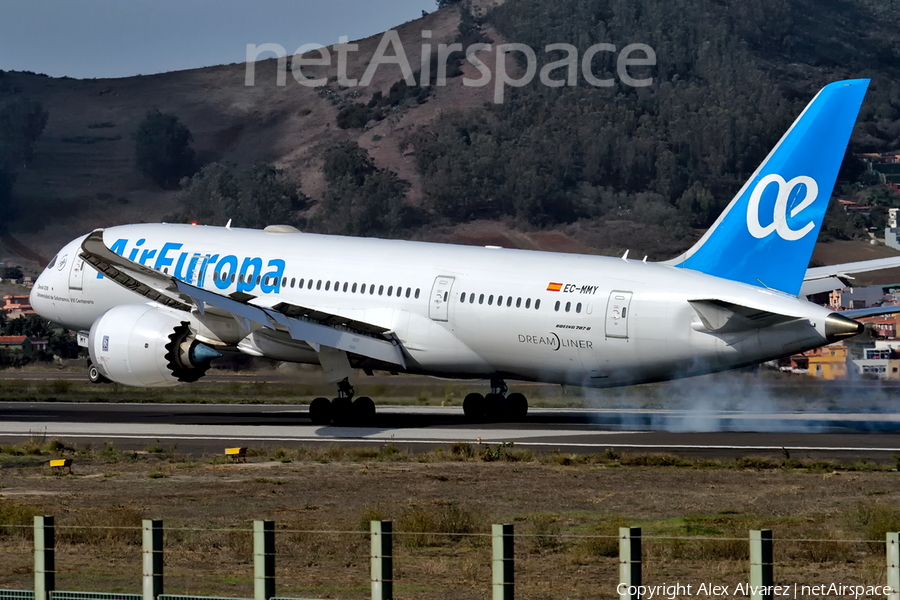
[(210, 428)]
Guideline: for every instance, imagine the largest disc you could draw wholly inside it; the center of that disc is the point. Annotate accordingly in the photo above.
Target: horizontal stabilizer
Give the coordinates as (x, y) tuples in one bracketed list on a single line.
[(861, 313), (844, 269), (719, 316)]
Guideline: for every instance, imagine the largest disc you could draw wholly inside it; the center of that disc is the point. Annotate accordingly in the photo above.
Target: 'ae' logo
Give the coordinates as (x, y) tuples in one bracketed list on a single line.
[(779, 217)]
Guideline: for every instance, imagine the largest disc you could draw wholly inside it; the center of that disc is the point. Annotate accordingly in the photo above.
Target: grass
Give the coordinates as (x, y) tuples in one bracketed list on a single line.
[(566, 515), (787, 394)]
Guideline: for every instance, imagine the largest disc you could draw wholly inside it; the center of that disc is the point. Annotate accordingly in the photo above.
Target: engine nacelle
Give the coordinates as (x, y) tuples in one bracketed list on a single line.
[(146, 346)]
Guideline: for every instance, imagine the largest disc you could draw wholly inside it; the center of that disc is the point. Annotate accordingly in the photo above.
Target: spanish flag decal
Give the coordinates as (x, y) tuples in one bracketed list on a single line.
[(554, 287)]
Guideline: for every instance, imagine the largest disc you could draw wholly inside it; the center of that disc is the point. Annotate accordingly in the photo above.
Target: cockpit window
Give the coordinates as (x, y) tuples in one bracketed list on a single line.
[(52, 262)]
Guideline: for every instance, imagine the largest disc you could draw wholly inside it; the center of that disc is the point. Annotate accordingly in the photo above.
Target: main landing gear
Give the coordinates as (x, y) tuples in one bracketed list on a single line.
[(496, 406), (343, 410)]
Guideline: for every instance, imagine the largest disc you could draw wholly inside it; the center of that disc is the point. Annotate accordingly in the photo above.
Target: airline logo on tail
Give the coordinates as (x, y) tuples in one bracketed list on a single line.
[(788, 194), (766, 235)]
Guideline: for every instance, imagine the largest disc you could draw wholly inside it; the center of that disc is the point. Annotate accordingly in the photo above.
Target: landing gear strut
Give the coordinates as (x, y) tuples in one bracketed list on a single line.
[(496, 406), (343, 410)]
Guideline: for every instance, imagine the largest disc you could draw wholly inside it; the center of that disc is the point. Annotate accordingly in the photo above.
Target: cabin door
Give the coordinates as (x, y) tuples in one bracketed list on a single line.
[(617, 314), (438, 307)]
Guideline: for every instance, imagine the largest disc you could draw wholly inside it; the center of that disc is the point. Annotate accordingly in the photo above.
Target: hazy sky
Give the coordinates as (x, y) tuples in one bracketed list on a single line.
[(119, 38)]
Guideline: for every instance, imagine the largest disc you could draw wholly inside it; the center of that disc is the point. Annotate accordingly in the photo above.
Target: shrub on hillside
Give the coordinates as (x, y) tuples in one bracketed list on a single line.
[(162, 148)]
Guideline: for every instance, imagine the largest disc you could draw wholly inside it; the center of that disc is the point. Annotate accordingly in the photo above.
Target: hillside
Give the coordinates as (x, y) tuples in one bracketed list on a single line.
[(578, 168)]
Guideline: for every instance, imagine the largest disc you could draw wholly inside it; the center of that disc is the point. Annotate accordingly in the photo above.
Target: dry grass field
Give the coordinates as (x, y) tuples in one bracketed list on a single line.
[(827, 518)]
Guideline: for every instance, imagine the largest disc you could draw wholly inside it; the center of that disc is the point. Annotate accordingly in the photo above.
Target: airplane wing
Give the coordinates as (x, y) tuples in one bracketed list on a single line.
[(825, 279), (316, 328)]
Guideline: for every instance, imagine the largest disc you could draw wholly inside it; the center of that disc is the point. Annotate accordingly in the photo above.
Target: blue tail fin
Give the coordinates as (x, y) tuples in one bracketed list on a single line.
[(766, 235)]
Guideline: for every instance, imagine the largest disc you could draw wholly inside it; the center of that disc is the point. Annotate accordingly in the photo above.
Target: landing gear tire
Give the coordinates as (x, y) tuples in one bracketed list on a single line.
[(96, 376), (363, 410), (342, 411), (473, 406), (517, 407), (494, 407), (320, 411)]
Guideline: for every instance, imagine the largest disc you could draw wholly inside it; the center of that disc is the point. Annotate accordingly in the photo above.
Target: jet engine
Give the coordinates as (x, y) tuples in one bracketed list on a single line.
[(147, 346)]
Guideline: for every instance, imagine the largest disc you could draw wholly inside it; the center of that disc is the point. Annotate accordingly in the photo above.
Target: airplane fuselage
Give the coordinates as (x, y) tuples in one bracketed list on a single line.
[(457, 311)]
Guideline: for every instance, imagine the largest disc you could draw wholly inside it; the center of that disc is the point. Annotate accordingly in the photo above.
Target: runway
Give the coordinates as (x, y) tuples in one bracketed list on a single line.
[(210, 428)]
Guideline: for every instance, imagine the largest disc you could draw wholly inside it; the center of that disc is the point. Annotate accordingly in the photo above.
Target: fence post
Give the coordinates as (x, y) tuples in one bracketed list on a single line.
[(762, 573), (503, 564), (263, 560), (44, 557), (153, 558), (893, 565), (629, 562), (382, 560)]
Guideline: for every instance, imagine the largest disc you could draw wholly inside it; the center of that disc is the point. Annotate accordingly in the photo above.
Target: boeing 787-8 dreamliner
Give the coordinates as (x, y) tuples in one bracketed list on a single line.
[(155, 303)]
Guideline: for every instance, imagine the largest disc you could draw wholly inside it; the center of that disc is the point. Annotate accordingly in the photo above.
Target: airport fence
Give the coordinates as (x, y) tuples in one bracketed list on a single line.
[(50, 562)]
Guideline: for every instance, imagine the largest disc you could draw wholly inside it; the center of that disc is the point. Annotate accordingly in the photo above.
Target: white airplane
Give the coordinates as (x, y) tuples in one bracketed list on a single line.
[(155, 303)]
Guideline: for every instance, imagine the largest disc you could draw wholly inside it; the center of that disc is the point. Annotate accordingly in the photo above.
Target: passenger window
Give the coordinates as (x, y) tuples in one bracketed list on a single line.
[(518, 303), (508, 301), (499, 300), (372, 289), (337, 286), (408, 290), (568, 306), (537, 304), (528, 303), (353, 289), (556, 308), (471, 298), (578, 307), (327, 285), (623, 312), (417, 292), (293, 281), (232, 277), (319, 285), (490, 299), (462, 297), (481, 299), (258, 278), (399, 291), (284, 282), (446, 296), (380, 290), (390, 290)]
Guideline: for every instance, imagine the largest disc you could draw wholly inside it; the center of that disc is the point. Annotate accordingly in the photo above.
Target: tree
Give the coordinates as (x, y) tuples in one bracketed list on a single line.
[(262, 195), (266, 197), (21, 124), (162, 148), (698, 205), (360, 199), (209, 194), (14, 273), (7, 207)]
